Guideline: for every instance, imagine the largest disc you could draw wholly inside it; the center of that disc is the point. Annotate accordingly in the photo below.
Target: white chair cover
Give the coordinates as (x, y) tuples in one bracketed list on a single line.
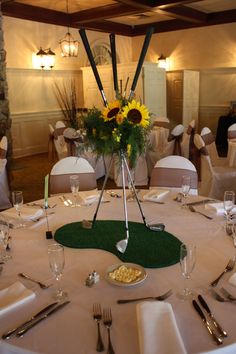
[(168, 173), (209, 141), (4, 188), (214, 179), (59, 140), (59, 176), (187, 141), (3, 147), (231, 154)]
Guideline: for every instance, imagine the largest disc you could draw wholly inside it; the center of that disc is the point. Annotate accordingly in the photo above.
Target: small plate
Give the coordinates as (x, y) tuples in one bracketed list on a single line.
[(139, 280)]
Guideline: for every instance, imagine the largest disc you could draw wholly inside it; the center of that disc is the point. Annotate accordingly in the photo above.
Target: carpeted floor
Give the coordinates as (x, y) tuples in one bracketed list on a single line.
[(27, 175)]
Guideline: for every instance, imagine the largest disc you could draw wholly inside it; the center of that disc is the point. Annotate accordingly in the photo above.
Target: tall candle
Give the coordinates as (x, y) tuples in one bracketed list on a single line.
[(46, 191)]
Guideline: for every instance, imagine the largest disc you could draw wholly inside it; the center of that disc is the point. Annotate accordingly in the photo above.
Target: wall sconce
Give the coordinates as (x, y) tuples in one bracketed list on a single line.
[(45, 59), (163, 62)]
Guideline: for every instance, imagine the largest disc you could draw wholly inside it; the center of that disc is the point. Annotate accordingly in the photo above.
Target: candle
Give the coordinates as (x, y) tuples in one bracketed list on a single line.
[(46, 191)]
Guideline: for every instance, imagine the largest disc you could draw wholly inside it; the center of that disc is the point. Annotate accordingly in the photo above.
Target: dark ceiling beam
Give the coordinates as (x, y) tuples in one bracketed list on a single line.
[(108, 27), (103, 13), (34, 13), (215, 18), (148, 5), (184, 13)]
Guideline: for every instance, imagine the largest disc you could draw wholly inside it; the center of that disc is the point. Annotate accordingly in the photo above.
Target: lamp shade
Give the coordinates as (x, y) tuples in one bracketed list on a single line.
[(163, 62), (69, 46)]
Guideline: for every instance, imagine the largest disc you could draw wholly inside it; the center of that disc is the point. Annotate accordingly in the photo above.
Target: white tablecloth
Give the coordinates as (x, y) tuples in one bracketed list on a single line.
[(72, 330)]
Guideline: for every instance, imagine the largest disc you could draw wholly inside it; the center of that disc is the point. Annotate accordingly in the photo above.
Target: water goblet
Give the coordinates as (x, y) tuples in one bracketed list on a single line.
[(17, 200), (229, 200), (4, 239), (186, 182), (57, 263), (187, 264), (74, 185)]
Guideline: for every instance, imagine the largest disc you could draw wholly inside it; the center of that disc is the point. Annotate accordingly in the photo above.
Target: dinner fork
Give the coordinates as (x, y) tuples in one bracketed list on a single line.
[(191, 208), (220, 298), (227, 294), (228, 268), (107, 320), (160, 298), (42, 285), (97, 315)]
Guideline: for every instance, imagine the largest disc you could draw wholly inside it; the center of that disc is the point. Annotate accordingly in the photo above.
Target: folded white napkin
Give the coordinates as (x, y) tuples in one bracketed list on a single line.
[(155, 195), (89, 197), (27, 213), (219, 208), (158, 331), (232, 279), (16, 294)]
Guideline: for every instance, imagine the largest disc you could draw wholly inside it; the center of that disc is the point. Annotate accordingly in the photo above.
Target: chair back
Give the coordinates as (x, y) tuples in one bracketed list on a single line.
[(187, 145), (59, 181), (175, 138), (232, 132), (168, 173), (209, 141), (3, 147)]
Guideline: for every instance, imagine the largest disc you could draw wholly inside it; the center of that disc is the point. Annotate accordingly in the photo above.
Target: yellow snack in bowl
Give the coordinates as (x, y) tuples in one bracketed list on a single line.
[(125, 274)]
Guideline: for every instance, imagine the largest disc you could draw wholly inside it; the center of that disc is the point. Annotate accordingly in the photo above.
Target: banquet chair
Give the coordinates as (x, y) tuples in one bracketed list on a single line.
[(209, 141), (51, 145), (3, 147), (168, 173), (172, 147), (59, 140), (214, 180), (231, 154), (59, 181), (187, 144)]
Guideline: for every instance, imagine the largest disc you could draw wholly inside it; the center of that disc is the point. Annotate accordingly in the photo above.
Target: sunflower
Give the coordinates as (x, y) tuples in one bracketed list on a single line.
[(136, 113), (119, 118), (109, 113)]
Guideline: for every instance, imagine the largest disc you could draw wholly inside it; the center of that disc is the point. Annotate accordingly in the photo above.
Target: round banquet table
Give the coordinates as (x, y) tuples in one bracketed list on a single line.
[(72, 330)]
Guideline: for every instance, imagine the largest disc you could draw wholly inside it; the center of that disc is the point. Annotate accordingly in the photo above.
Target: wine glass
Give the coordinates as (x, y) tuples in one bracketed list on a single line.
[(185, 189), (57, 263), (74, 185), (17, 200), (187, 264), (229, 199), (4, 239)]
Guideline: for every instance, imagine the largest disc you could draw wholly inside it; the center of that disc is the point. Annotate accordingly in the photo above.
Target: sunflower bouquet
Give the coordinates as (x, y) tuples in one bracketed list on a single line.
[(121, 126)]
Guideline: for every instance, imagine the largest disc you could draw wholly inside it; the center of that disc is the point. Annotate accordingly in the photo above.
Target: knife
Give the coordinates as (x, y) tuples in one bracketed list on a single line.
[(216, 324), (8, 334), (216, 338), (26, 328), (203, 201)]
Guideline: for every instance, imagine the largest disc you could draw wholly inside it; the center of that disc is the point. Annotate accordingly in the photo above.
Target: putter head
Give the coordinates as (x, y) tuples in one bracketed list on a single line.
[(156, 227), (86, 224), (122, 245)]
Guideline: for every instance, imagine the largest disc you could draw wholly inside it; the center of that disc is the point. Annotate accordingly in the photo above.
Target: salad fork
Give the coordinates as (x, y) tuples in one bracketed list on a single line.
[(107, 320), (159, 298), (97, 315), (228, 268)]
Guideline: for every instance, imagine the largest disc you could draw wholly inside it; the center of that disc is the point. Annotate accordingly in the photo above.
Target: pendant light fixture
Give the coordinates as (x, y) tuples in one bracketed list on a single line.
[(69, 46)]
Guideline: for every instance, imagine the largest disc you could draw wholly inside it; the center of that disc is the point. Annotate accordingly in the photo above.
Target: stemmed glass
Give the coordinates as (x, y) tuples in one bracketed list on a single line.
[(229, 200), (4, 239), (185, 189), (187, 264), (17, 200), (57, 263), (74, 185)]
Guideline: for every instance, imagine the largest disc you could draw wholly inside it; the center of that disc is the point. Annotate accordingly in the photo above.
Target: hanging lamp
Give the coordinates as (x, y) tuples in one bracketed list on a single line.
[(69, 46)]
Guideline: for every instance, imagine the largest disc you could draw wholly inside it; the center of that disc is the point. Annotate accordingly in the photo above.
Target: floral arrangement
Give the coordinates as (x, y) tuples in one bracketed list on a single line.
[(121, 125)]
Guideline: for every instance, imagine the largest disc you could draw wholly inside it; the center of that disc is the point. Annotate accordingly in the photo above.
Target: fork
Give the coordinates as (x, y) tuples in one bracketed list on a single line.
[(107, 320), (160, 298), (42, 285), (228, 268), (227, 294), (192, 209), (220, 298), (97, 315)]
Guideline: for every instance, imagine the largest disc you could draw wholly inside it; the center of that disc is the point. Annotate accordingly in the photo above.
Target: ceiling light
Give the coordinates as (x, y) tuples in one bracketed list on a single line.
[(69, 46)]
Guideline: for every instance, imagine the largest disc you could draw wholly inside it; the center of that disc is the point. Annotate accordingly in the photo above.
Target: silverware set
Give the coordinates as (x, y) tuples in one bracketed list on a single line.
[(214, 328), (106, 317)]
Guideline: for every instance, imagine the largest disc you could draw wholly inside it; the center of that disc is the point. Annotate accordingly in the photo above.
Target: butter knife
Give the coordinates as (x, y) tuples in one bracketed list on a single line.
[(8, 334), (216, 324), (203, 201), (216, 338), (26, 328)]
